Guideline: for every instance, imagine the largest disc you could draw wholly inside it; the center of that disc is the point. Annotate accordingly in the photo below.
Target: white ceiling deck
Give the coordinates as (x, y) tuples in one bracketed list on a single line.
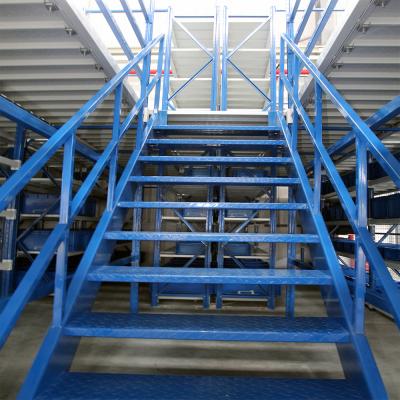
[(362, 60), (51, 63)]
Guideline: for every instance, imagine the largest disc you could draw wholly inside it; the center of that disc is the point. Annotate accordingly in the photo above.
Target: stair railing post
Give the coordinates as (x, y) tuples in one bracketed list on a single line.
[(281, 75), (317, 157), (224, 59), (215, 61), (167, 69), (272, 82), (362, 221), (112, 174), (157, 93), (138, 195), (60, 281)]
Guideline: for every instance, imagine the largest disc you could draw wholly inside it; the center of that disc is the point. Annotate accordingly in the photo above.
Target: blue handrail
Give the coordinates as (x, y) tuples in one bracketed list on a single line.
[(66, 135), (366, 141)]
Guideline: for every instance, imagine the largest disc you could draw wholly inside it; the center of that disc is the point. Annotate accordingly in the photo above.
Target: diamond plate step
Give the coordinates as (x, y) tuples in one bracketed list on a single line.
[(207, 327), (84, 386), (215, 160), (212, 180), (209, 275), (213, 237)]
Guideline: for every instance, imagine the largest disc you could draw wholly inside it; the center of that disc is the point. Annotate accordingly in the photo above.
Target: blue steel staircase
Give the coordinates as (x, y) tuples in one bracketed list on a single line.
[(272, 149), (50, 377)]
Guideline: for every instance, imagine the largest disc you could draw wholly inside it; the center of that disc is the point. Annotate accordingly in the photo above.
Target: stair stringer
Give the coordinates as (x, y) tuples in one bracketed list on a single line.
[(57, 350), (356, 357)]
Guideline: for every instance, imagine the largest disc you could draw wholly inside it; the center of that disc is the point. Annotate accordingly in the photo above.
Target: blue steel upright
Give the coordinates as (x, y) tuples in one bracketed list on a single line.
[(220, 185)]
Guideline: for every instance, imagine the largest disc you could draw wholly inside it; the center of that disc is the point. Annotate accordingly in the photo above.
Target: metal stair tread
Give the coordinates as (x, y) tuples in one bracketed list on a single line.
[(213, 205), (213, 237), (234, 181), (217, 128), (215, 160), (207, 327), (83, 386), (217, 142), (114, 273)]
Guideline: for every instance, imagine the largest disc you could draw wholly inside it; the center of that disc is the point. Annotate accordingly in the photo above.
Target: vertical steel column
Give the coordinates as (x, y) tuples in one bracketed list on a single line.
[(291, 255), (112, 173), (272, 82), (157, 228), (221, 228), (60, 281), (167, 68), (224, 66), (135, 256), (215, 63), (137, 213), (208, 249), (9, 250), (273, 224), (362, 221), (292, 68)]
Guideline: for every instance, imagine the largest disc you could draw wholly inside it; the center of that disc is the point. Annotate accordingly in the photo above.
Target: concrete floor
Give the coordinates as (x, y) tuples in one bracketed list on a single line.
[(162, 356)]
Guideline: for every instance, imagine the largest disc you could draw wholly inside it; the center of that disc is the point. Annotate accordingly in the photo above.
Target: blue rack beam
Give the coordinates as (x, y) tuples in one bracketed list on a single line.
[(211, 180), (208, 327), (212, 237), (248, 276), (213, 205)]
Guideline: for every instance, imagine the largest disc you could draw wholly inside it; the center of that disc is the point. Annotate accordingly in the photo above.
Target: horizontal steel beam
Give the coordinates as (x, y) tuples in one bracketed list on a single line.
[(215, 206), (217, 128), (380, 117), (216, 142), (211, 180), (214, 160)]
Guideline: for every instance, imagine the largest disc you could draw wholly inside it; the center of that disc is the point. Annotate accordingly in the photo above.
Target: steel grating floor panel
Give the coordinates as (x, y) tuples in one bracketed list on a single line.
[(76, 386)]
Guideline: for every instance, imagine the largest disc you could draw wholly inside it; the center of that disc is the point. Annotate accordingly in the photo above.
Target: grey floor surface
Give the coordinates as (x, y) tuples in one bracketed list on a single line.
[(162, 356)]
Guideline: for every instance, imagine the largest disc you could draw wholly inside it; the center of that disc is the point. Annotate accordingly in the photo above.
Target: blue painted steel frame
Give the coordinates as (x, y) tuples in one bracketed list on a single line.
[(21, 116), (388, 162), (16, 182), (10, 232)]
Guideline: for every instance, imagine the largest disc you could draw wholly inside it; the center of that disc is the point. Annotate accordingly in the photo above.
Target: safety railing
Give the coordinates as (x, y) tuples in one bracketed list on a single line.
[(213, 54), (227, 55), (366, 142), (70, 205), (220, 57)]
